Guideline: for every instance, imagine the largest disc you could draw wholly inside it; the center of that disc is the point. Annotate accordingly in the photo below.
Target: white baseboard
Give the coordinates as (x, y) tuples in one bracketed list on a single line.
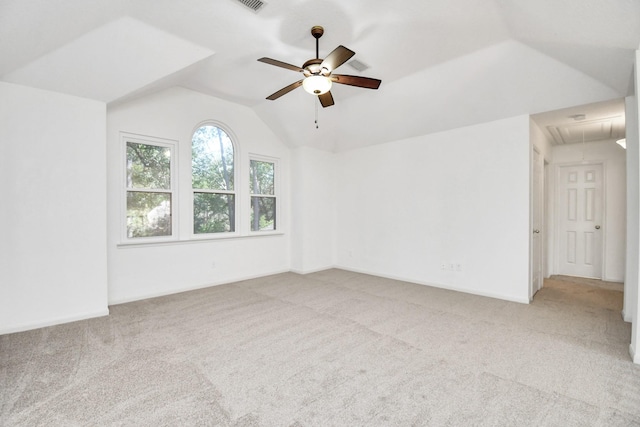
[(442, 286), (53, 322), (625, 317), (116, 301), (312, 270), (632, 353)]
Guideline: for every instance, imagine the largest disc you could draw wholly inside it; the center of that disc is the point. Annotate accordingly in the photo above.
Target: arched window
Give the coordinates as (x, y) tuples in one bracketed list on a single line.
[(212, 171)]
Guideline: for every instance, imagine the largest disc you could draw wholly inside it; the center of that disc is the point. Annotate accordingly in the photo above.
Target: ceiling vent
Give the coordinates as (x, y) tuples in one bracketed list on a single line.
[(255, 5), (357, 65)]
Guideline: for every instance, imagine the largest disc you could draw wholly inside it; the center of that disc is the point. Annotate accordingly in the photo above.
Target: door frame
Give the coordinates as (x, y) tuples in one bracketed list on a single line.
[(542, 212), (556, 213)]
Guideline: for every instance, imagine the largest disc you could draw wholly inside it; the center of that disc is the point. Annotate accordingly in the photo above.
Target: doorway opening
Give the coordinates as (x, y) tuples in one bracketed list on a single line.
[(583, 197)]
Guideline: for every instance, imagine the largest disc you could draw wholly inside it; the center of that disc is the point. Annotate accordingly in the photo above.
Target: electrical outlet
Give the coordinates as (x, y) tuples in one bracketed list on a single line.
[(458, 267), (443, 266)]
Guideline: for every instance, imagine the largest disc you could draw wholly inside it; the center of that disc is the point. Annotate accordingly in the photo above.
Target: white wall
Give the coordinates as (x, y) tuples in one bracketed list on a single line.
[(633, 210), (142, 271), (53, 264), (313, 210), (614, 159), (456, 197), (631, 291)]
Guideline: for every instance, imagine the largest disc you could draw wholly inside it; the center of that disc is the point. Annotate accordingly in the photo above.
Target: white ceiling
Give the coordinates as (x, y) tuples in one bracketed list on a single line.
[(601, 121), (442, 64)]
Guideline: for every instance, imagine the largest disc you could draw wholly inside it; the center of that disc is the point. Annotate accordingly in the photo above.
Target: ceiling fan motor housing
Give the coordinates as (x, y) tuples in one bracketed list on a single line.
[(312, 68)]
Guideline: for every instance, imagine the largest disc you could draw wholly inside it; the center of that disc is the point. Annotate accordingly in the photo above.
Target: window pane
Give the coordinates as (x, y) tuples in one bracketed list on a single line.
[(262, 177), (148, 214), (213, 213), (263, 213), (212, 159), (148, 166)]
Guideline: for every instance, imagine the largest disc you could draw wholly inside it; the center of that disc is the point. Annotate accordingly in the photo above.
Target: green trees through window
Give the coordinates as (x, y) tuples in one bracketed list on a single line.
[(149, 190), (155, 177), (263, 200), (212, 169)]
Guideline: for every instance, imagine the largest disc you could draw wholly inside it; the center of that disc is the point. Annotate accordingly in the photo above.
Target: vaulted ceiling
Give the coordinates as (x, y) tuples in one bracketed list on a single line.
[(442, 64)]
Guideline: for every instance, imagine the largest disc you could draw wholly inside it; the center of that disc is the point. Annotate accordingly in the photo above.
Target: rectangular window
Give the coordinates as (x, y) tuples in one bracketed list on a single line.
[(213, 212), (149, 189), (263, 195)]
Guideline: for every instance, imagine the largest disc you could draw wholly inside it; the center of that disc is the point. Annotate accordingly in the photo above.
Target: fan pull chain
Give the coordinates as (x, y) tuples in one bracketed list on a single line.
[(316, 104)]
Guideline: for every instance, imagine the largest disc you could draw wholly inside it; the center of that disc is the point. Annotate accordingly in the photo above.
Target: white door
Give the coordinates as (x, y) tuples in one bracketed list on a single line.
[(580, 220), (537, 222)]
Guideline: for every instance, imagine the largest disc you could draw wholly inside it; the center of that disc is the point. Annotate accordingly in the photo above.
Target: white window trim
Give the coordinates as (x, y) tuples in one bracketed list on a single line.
[(275, 195), (126, 137), (182, 192), (236, 174)]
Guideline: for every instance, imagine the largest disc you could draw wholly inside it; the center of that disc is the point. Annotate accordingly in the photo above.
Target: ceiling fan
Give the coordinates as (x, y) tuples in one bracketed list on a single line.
[(318, 73)]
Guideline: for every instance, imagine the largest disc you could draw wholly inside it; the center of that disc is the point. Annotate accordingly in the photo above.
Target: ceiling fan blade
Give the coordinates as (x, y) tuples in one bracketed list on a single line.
[(280, 64), (285, 90), (365, 82), (326, 99), (336, 58)]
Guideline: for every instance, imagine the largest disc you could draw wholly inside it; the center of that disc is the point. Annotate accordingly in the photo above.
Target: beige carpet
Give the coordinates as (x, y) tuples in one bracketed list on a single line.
[(333, 348)]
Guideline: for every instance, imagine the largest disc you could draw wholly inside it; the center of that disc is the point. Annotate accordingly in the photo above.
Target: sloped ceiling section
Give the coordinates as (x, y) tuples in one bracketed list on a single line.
[(442, 64), (110, 61), (595, 37), (30, 29), (503, 80)]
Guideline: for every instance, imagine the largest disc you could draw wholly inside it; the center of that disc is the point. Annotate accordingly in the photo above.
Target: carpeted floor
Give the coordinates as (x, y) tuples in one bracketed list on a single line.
[(333, 348)]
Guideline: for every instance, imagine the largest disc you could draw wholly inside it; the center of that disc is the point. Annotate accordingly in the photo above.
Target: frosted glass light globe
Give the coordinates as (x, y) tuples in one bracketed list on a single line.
[(317, 85)]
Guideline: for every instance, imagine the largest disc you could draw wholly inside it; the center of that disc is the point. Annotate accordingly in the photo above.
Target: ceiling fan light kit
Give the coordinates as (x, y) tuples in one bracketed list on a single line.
[(316, 85), (318, 77)]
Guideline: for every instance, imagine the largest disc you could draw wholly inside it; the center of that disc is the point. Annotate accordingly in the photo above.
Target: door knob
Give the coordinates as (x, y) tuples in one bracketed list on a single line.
[(538, 231), (597, 227)]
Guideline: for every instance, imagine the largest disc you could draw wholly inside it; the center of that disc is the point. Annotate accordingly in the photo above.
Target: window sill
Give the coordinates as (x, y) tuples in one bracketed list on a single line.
[(207, 239)]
